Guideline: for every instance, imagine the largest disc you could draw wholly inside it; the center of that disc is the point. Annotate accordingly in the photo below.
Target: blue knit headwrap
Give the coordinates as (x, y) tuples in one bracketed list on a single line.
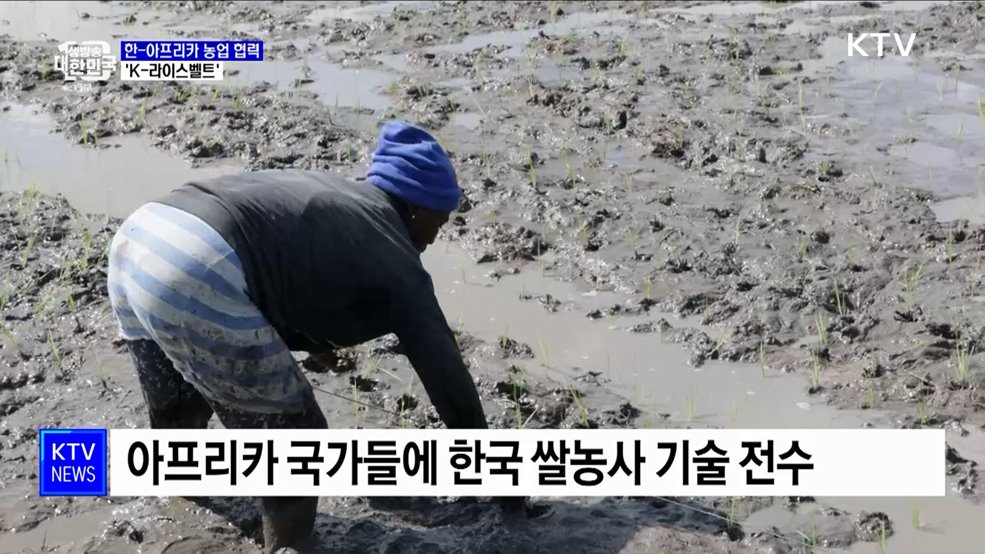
[(410, 164)]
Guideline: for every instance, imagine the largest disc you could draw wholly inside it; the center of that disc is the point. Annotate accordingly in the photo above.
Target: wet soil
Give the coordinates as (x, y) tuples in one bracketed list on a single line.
[(690, 213)]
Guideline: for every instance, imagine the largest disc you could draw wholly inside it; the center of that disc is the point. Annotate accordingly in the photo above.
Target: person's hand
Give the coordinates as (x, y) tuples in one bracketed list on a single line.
[(512, 504), (321, 362), (327, 358)]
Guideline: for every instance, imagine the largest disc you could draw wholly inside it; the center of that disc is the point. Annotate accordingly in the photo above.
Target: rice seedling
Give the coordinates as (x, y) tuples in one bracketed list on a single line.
[(648, 286), (691, 401), (821, 326), (73, 308), (56, 355), (28, 201), (810, 541), (838, 300), (238, 101), (373, 365), (580, 406), (731, 517), (762, 357), (518, 382), (975, 278), (183, 95), (9, 337), (872, 175), (44, 69), (721, 341), (981, 107), (742, 150), (141, 115), (533, 170), (870, 397), (545, 353), (555, 10), (356, 412), (883, 539), (911, 282), (84, 131), (800, 97), (28, 247), (802, 250), (915, 517), (962, 363), (596, 74), (358, 112), (43, 306), (949, 247), (815, 372), (923, 412)]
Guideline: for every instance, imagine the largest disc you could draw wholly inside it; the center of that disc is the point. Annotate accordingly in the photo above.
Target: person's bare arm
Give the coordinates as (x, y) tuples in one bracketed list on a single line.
[(431, 348)]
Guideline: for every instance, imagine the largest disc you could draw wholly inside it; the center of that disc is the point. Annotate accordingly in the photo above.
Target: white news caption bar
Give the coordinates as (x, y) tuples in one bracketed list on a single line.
[(171, 71), (854, 462)]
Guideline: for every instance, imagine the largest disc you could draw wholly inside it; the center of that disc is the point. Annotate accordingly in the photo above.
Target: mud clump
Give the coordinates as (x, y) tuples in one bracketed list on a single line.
[(510, 348), (511, 243), (873, 527)]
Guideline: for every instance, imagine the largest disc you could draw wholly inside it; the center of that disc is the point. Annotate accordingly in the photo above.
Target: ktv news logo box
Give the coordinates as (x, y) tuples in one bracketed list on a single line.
[(73, 462)]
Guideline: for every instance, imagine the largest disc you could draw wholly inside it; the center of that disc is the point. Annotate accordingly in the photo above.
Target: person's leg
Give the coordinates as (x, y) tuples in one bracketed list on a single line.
[(186, 286), (172, 402), (288, 522)]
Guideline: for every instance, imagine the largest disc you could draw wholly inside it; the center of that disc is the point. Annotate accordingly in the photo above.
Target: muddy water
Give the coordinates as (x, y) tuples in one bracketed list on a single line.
[(515, 40), (333, 83), (353, 11), (87, 20), (642, 366), (56, 20), (928, 122), (810, 6), (654, 374), (657, 377), (113, 180), (971, 209)]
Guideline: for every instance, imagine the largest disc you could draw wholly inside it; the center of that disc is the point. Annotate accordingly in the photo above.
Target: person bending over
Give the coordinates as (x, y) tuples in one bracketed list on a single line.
[(214, 285)]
